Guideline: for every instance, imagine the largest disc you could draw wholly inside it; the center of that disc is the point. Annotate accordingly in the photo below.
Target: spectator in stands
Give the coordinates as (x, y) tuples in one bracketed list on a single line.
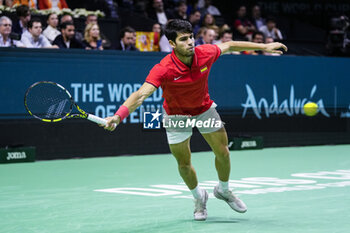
[(29, 3), (66, 39), (242, 25), (91, 18), (112, 11), (157, 28), (181, 11), (7, 3), (92, 37), (35, 38), (51, 31), (109, 7), (195, 18), (208, 20), (225, 36), (208, 8), (270, 29), (127, 40), (258, 37), (200, 33), (23, 13), (269, 40), (257, 20), (66, 18), (157, 12), (52, 4), (208, 37), (163, 42), (216, 30), (5, 31)]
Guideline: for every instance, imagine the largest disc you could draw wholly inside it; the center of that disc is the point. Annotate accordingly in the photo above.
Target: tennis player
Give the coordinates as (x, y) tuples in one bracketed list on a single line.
[(183, 76)]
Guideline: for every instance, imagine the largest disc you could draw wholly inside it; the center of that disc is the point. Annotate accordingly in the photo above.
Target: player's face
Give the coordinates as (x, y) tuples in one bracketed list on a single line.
[(184, 44)]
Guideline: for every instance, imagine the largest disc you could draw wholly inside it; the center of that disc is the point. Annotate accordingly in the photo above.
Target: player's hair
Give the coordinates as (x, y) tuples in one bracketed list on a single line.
[(32, 21), (175, 26), (126, 29), (65, 24)]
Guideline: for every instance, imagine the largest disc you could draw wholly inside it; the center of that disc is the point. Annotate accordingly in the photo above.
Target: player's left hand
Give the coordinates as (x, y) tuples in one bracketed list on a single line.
[(273, 48)]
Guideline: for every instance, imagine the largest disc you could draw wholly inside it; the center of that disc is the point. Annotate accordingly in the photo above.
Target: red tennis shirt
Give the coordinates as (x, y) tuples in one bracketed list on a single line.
[(185, 89)]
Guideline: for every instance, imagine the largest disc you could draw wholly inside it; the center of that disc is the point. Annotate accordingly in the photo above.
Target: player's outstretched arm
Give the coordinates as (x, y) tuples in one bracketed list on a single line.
[(231, 46), (130, 105)]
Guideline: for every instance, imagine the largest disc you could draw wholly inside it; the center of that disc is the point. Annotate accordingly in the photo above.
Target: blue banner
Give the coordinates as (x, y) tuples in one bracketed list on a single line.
[(100, 81)]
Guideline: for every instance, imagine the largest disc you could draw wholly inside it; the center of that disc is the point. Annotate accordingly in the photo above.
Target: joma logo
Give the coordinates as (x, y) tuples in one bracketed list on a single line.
[(16, 155)]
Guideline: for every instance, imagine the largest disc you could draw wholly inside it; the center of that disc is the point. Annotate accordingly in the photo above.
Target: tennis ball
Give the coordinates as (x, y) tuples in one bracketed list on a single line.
[(310, 109)]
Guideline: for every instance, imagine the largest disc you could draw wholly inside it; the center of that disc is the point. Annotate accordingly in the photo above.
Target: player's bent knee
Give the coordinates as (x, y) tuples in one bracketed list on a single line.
[(223, 152)]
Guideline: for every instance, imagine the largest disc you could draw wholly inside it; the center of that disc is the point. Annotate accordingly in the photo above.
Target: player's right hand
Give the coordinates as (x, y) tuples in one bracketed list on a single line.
[(112, 122)]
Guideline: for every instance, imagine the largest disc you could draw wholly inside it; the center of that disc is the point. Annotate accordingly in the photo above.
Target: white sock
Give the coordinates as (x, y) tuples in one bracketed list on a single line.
[(197, 192), (223, 186)]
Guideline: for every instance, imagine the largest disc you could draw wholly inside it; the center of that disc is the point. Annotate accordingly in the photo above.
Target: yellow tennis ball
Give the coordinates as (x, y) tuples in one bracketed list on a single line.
[(310, 109)]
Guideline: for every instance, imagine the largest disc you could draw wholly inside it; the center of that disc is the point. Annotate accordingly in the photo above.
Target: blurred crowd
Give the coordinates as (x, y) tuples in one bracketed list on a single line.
[(60, 32)]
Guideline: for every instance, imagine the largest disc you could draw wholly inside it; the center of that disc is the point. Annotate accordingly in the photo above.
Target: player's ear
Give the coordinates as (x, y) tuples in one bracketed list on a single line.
[(172, 44)]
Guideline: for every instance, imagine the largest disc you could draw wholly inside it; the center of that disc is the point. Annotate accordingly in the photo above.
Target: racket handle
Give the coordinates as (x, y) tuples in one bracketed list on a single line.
[(98, 120)]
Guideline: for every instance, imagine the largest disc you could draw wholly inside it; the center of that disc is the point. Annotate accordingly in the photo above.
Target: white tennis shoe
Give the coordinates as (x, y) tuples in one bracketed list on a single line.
[(200, 207), (234, 202)]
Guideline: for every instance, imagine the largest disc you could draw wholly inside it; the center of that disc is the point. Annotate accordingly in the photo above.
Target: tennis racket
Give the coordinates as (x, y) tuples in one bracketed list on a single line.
[(51, 102)]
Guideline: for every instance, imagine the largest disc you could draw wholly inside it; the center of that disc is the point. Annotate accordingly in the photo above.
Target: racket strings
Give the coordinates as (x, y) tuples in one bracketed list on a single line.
[(48, 101)]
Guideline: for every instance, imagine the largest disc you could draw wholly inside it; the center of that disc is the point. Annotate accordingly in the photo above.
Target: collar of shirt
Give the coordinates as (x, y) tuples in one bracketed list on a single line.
[(180, 65), (122, 44), (7, 42)]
